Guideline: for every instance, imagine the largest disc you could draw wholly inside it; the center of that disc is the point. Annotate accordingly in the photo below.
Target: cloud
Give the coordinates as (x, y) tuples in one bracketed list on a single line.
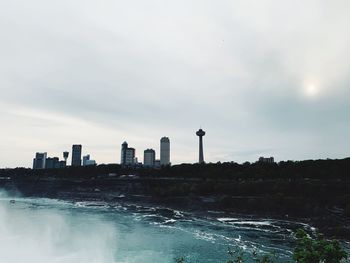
[(137, 71)]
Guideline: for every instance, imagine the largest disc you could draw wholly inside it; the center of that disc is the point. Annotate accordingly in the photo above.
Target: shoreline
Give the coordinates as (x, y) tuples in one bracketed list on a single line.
[(200, 205)]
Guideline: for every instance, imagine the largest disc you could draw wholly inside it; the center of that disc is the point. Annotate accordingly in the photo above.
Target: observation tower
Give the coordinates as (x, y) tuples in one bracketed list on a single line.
[(200, 133)]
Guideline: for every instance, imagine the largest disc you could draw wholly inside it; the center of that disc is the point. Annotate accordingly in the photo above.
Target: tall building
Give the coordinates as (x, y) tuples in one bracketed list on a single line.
[(39, 161), (127, 156), (164, 151), (149, 157), (123, 153), (130, 156), (200, 133), (76, 155)]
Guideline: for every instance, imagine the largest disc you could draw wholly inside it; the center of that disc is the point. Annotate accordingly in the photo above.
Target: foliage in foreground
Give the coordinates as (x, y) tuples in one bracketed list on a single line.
[(307, 250), (318, 250)]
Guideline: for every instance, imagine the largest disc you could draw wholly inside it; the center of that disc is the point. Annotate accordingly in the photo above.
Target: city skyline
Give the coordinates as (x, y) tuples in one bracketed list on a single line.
[(128, 157), (266, 78)]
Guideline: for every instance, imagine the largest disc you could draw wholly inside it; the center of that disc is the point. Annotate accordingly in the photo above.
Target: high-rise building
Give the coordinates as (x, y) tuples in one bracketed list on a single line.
[(130, 156), (149, 157), (127, 156), (76, 155), (39, 161), (200, 133), (123, 153), (164, 151)]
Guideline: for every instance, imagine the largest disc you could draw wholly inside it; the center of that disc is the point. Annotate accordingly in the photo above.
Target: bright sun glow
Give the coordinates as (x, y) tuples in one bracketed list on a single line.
[(311, 90)]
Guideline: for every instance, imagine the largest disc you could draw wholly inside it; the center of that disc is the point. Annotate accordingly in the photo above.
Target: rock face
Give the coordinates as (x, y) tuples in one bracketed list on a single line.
[(272, 197)]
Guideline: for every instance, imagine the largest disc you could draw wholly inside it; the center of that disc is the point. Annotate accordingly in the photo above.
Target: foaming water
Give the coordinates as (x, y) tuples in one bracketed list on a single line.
[(45, 230)]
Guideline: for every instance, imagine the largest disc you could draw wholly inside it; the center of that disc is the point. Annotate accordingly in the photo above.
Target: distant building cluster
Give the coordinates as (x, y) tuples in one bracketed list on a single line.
[(128, 155), (266, 160), (42, 161), (127, 158)]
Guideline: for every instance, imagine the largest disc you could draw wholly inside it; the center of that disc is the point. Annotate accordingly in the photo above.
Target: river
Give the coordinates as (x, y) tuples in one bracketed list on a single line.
[(47, 230)]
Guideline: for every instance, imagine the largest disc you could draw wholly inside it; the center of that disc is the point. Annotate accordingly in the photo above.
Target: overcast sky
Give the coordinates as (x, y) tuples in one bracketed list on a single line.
[(261, 77)]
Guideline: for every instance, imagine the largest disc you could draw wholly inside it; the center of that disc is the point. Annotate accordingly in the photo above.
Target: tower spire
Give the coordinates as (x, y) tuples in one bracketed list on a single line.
[(200, 133)]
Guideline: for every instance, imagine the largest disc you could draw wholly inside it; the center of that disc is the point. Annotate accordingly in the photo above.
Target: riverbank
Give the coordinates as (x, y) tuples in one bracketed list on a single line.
[(317, 192), (323, 214)]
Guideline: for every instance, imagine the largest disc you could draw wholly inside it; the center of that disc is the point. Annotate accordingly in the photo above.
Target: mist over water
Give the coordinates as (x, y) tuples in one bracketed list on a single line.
[(46, 230), (31, 233)]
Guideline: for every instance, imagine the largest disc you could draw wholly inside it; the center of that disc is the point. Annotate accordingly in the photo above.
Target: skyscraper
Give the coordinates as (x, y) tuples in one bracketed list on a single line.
[(164, 151), (76, 155), (39, 161), (123, 153), (149, 157), (200, 133), (127, 156)]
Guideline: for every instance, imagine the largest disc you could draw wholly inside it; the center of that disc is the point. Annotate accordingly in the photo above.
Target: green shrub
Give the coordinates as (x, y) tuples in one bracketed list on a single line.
[(317, 250)]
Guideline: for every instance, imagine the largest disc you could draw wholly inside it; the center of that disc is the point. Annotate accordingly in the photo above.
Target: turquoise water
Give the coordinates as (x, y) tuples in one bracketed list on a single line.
[(47, 230)]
